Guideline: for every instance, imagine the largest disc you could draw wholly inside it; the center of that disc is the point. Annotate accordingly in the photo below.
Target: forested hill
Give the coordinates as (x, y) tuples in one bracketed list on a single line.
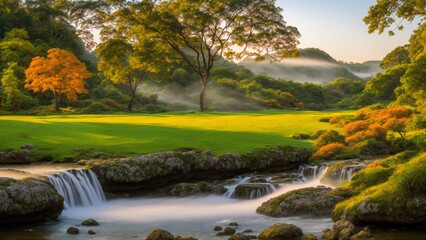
[(315, 66)]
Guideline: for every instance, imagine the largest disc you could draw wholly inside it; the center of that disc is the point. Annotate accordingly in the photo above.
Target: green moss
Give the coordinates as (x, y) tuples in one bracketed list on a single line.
[(388, 187), (7, 182)]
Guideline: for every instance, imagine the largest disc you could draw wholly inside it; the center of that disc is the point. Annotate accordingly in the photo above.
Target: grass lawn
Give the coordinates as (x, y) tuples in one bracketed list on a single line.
[(63, 136)]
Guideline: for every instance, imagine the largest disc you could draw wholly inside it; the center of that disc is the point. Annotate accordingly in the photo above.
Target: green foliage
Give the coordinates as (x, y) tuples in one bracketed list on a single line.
[(328, 137), (383, 85), (315, 53), (398, 56), (413, 81)]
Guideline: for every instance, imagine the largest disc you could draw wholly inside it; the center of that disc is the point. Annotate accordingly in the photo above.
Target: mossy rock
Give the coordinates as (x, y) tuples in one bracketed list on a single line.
[(280, 231)]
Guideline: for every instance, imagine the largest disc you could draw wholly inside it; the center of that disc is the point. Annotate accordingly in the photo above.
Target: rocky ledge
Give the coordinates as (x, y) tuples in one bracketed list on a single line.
[(318, 202), (161, 169), (28, 200)]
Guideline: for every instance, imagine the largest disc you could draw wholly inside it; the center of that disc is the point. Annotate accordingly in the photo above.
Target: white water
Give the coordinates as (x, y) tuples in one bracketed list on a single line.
[(346, 174), (79, 187)]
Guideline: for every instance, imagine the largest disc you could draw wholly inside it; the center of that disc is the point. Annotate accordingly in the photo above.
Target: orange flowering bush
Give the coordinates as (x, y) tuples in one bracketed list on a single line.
[(329, 150)]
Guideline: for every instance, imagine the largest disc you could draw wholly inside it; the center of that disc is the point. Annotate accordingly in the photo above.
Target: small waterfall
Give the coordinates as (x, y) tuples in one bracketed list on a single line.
[(231, 188), (79, 187), (346, 174), (312, 171), (253, 190)]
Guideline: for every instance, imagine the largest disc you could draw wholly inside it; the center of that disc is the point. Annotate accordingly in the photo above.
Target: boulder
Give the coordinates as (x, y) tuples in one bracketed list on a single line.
[(217, 228), (90, 222), (184, 238), (233, 224), (21, 156), (309, 237), (342, 230), (311, 201), (91, 232), (191, 189), (229, 230), (252, 190), (340, 172), (280, 231), (73, 230), (159, 234), (28, 200), (364, 234), (161, 169)]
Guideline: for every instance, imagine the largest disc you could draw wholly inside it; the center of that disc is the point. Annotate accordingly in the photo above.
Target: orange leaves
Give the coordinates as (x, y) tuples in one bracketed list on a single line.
[(329, 150), (354, 127), (60, 72)]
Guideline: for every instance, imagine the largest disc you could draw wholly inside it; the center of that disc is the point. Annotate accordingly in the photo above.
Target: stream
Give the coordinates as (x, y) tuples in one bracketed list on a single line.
[(134, 218)]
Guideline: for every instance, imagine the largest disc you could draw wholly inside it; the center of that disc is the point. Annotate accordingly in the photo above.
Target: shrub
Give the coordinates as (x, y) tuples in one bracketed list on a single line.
[(372, 147), (317, 133), (325, 119), (378, 131), (111, 103), (329, 151), (96, 107), (354, 127), (152, 108), (339, 121), (328, 137)]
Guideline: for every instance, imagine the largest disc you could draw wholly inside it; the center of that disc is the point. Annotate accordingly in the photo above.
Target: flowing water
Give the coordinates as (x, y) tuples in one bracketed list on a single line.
[(133, 218)]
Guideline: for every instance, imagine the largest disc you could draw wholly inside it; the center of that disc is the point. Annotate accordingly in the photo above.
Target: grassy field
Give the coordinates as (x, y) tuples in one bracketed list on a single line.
[(68, 136)]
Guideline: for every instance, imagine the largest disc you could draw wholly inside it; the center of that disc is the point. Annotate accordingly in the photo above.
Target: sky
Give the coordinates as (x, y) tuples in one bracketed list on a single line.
[(337, 27)]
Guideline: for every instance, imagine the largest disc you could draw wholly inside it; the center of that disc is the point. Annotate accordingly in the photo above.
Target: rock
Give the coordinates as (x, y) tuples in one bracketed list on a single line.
[(319, 201), (340, 172), (229, 230), (248, 231), (252, 190), (309, 237), (364, 234), (342, 230), (15, 157), (27, 146), (91, 232), (184, 238), (160, 169), (279, 231), (191, 189), (73, 230), (28, 200), (241, 236), (217, 228), (233, 224), (159, 234), (90, 222), (221, 233)]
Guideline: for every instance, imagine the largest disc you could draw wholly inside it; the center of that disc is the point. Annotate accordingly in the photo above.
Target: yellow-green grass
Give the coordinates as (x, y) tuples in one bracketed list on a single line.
[(63, 136)]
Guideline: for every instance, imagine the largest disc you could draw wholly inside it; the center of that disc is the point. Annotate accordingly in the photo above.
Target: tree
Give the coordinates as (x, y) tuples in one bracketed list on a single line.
[(60, 72), (200, 32), (16, 48), (10, 87), (399, 55), (121, 62), (385, 13), (383, 85)]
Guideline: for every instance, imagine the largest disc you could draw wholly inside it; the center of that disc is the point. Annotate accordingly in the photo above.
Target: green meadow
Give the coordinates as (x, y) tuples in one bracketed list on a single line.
[(73, 136)]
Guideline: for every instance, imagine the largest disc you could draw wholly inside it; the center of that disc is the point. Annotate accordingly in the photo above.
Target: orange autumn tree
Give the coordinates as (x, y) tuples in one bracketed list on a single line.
[(60, 72)]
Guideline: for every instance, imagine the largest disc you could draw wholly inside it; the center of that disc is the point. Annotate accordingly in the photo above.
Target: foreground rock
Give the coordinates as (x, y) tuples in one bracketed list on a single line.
[(21, 156), (341, 172), (318, 202), (344, 230), (191, 189), (73, 230), (253, 190), (160, 169), (90, 222), (28, 200), (160, 234), (282, 231), (241, 236)]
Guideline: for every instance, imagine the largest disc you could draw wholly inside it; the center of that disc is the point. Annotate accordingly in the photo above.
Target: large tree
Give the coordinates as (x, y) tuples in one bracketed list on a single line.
[(124, 63), (60, 72), (199, 32)]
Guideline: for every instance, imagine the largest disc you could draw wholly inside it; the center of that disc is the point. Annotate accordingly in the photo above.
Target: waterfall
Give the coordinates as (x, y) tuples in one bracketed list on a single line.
[(313, 171), (231, 188), (346, 174), (79, 187), (253, 190)]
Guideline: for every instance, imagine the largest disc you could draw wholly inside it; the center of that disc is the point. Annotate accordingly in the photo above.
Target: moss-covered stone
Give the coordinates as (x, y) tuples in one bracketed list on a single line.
[(398, 199), (311, 201), (279, 231)]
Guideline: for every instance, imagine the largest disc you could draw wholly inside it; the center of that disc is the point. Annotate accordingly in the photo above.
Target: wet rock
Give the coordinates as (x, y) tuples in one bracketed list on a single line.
[(191, 189), (160, 234), (233, 224), (217, 228), (341, 171), (73, 230), (319, 201), (91, 232), (90, 222), (229, 230), (15, 157), (364, 234), (241, 236), (279, 231), (221, 233), (184, 238), (28, 200), (309, 237), (252, 190), (248, 231), (342, 230), (160, 169)]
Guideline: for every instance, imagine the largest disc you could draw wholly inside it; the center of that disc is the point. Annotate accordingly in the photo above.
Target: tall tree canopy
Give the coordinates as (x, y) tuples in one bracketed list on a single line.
[(60, 72), (386, 12), (200, 32)]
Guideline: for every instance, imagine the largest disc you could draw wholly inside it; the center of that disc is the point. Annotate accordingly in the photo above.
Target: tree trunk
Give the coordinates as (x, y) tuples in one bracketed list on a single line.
[(132, 96), (57, 100), (202, 96)]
